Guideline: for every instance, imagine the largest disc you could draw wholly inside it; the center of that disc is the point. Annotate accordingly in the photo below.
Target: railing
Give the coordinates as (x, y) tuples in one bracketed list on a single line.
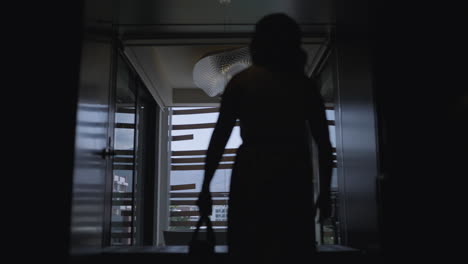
[(184, 212), (123, 203), (330, 231), (219, 198), (186, 201), (122, 206)]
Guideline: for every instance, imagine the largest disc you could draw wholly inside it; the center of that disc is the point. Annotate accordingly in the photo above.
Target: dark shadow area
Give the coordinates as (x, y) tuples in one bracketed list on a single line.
[(422, 117)]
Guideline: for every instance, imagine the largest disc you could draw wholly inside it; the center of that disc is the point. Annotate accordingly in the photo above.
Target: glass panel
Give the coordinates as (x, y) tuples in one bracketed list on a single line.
[(123, 211), (330, 229), (188, 169), (331, 116)]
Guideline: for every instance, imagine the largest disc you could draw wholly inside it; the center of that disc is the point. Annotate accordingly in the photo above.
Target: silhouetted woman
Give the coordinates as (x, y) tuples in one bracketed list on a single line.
[(271, 206)]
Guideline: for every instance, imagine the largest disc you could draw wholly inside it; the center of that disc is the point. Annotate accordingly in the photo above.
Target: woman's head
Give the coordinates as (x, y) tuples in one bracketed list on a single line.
[(277, 43)]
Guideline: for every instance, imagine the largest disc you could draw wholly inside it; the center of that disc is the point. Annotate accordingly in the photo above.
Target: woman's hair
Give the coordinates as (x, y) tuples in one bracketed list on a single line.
[(276, 44)]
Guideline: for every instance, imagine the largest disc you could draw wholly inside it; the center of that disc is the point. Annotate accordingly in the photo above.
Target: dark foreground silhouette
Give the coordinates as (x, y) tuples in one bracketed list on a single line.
[(271, 206)]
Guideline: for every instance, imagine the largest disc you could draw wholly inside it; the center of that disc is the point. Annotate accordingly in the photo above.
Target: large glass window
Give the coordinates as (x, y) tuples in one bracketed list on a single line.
[(123, 161), (329, 231), (134, 161), (191, 133), (190, 136)]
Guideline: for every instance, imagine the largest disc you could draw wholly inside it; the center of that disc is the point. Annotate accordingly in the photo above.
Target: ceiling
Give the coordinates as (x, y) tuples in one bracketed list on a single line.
[(164, 39), (146, 12), (168, 71)]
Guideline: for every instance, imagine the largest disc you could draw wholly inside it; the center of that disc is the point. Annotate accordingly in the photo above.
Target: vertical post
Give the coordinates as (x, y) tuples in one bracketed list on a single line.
[(356, 126), (136, 162), (164, 175)]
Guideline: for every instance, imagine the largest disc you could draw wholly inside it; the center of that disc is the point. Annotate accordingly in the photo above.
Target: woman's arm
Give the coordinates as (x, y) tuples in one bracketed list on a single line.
[(226, 121), (319, 129)]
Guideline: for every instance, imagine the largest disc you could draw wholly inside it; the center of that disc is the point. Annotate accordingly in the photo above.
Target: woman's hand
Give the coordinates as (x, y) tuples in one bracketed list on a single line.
[(205, 203)]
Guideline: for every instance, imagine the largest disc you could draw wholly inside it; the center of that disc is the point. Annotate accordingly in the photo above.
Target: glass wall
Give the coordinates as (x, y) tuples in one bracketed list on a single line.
[(123, 161), (191, 133), (134, 160), (190, 136), (329, 231)]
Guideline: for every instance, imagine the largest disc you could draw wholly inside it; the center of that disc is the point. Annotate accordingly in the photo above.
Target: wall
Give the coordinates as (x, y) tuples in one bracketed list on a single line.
[(90, 187), (356, 127)]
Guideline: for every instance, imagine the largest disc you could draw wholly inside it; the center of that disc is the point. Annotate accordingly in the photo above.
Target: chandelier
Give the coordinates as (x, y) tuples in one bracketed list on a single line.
[(212, 72)]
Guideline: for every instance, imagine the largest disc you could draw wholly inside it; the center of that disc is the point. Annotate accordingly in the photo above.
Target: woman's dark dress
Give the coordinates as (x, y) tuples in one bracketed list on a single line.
[(271, 206)]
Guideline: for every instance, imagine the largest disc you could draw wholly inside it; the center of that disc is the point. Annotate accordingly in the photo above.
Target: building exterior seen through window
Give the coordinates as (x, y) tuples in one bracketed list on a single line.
[(123, 209), (188, 151), (188, 148)]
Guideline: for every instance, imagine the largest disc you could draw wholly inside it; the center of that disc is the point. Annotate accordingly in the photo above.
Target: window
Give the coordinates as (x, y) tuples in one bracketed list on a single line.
[(122, 219), (329, 232), (189, 145), (133, 162)]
